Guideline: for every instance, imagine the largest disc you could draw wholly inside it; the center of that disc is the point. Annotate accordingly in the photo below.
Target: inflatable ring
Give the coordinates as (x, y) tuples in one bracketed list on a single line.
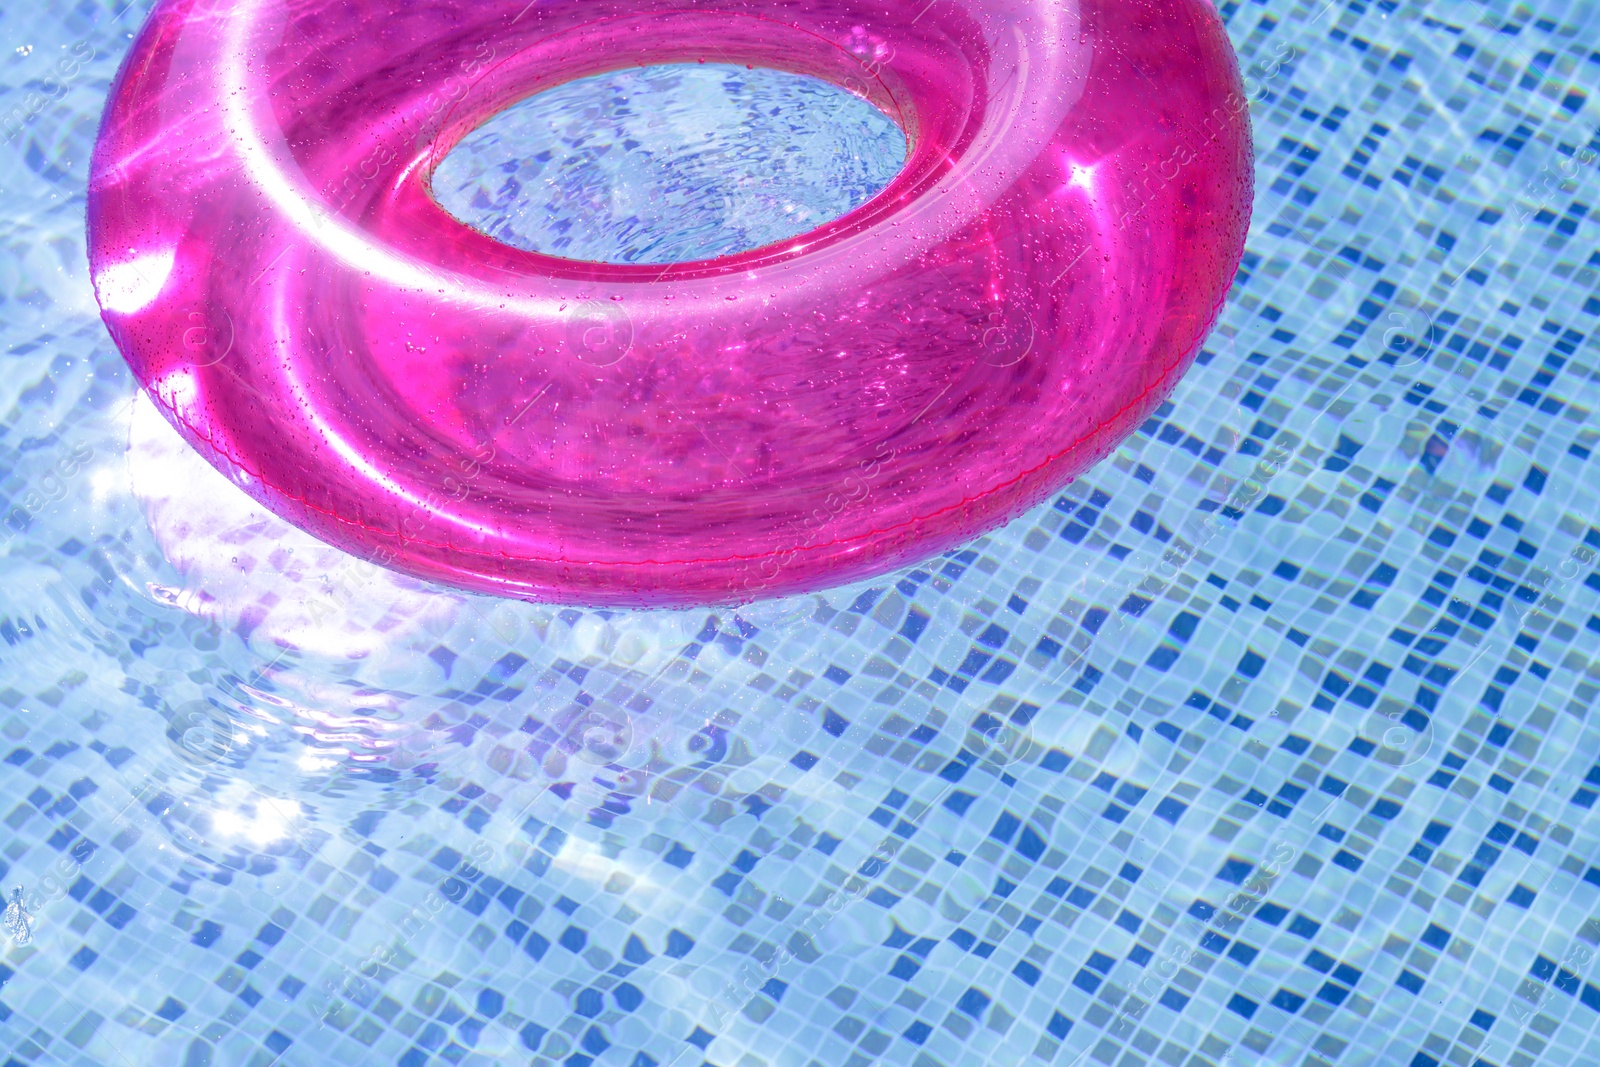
[(269, 258)]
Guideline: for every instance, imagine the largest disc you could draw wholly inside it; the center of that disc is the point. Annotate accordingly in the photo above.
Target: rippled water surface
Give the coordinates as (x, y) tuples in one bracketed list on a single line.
[(670, 163), (1271, 741)]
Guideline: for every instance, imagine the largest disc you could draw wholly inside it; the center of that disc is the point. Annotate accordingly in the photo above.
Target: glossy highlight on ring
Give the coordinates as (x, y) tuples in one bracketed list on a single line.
[(269, 257)]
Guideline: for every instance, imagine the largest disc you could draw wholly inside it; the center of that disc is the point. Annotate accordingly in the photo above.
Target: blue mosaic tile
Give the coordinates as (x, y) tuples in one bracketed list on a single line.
[(1266, 742)]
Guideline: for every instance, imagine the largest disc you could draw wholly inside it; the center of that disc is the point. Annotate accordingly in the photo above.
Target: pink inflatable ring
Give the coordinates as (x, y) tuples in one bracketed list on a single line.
[(269, 258)]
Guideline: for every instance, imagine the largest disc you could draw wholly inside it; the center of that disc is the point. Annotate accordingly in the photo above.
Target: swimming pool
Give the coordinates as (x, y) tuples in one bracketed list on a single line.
[(1266, 742)]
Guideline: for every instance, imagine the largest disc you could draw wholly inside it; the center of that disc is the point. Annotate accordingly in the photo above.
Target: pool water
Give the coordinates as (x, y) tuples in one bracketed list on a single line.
[(670, 163), (1268, 741)]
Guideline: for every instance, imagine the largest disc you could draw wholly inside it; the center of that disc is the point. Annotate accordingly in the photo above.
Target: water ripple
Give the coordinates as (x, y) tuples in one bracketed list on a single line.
[(670, 163)]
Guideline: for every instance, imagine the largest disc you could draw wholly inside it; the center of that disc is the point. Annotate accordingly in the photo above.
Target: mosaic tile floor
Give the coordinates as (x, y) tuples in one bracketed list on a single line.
[(1269, 742)]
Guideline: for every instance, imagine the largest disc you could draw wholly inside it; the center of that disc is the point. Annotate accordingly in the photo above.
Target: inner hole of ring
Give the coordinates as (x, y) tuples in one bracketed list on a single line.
[(670, 163)]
